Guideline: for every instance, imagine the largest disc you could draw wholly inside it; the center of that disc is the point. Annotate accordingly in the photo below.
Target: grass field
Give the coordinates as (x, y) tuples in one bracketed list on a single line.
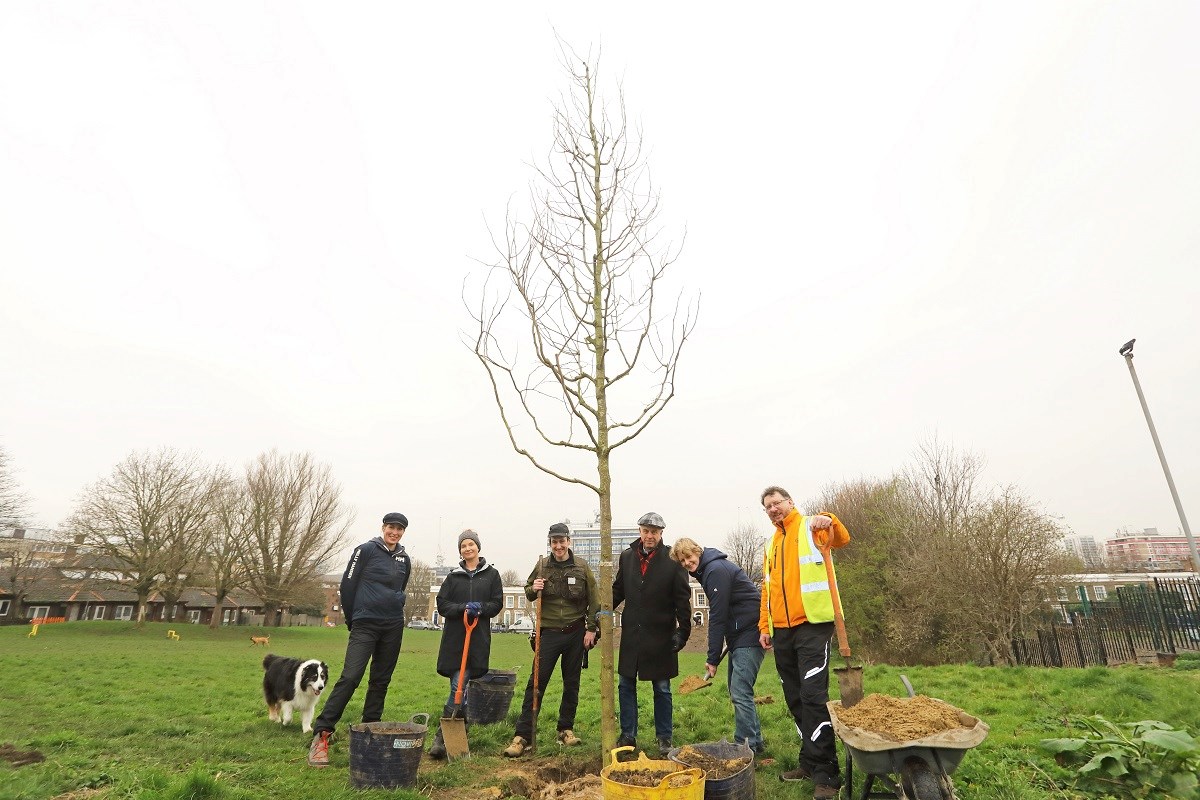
[(126, 713)]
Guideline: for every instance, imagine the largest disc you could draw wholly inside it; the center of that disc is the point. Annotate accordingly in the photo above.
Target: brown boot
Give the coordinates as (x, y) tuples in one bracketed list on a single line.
[(517, 747), (567, 738)]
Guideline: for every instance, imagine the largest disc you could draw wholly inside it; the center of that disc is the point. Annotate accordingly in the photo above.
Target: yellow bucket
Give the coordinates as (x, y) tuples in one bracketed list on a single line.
[(681, 784)]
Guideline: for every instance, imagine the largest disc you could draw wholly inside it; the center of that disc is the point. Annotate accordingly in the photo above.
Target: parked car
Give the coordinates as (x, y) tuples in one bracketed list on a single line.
[(422, 625)]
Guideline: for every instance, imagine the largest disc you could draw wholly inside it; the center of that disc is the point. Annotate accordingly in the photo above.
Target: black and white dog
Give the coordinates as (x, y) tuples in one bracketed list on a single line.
[(293, 685)]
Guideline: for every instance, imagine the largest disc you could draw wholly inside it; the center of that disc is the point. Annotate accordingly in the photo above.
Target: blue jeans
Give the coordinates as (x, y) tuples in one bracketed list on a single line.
[(454, 689), (627, 694), (744, 663)]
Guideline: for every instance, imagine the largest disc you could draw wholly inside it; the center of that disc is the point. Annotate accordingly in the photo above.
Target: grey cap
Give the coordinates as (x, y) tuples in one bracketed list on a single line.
[(559, 530), (652, 520), (395, 518)]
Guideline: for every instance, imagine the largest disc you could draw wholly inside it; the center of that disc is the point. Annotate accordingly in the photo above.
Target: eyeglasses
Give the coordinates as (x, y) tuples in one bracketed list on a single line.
[(775, 504)]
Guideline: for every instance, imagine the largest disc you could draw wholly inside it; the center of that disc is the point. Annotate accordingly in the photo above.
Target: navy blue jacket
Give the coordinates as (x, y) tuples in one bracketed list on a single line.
[(374, 583), (733, 603)]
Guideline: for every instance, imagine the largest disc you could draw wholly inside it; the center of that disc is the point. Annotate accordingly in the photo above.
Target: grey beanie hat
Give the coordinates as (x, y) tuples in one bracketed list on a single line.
[(469, 534)]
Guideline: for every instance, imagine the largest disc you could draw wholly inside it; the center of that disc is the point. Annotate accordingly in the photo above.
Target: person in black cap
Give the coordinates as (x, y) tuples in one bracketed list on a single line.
[(658, 610), (567, 627), (373, 594)]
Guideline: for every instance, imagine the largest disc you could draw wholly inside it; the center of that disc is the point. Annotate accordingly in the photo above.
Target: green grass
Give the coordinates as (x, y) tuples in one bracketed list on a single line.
[(128, 713)]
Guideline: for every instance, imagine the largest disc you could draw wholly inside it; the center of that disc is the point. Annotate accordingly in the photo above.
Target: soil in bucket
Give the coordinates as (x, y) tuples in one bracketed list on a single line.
[(386, 755), (715, 767)]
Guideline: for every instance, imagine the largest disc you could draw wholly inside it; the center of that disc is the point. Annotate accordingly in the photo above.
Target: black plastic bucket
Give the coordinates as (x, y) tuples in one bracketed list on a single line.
[(385, 755), (739, 786), (490, 696)]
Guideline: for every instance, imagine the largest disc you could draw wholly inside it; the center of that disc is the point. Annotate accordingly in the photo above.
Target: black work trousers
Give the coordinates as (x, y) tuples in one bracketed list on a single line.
[(375, 641), (555, 645), (802, 661)]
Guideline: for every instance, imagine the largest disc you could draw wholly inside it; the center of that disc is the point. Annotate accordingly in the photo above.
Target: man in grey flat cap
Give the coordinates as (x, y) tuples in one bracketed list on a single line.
[(654, 588)]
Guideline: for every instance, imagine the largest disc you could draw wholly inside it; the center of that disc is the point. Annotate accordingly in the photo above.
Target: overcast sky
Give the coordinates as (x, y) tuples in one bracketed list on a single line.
[(231, 227)]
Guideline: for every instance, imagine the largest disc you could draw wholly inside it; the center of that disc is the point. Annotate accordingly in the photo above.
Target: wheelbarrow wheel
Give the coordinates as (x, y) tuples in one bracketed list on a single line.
[(922, 783)]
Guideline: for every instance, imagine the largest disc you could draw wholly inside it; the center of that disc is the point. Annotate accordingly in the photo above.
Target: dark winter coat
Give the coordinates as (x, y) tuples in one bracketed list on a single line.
[(460, 587), (373, 586), (656, 606), (733, 603)]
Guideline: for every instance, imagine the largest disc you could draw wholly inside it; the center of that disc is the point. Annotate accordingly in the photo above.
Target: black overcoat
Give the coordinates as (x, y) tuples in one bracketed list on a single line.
[(459, 588), (656, 605)]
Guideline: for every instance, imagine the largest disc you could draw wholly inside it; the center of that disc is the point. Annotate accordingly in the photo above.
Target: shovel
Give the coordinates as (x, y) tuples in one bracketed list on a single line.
[(850, 682), (454, 727), (704, 681)]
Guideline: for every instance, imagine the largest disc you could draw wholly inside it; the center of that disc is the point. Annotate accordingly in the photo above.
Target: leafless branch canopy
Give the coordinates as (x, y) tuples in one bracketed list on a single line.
[(295, 524), (581, 274)]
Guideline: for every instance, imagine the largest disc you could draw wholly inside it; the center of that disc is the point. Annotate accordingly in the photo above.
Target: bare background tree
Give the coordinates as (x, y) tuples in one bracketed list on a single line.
[(420, 581), (17, 568), (745, 545), (580, 282), (295, 524), (142, 517), (941, 568), (226, 541), (510, 577), (14, 504)]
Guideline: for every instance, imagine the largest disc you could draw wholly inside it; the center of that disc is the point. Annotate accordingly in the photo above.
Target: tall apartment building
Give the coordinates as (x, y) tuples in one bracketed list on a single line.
[(1149, 550), (1088, 550)]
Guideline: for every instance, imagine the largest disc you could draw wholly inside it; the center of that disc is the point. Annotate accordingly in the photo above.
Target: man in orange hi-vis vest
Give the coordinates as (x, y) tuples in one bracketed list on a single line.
[(796, 621)]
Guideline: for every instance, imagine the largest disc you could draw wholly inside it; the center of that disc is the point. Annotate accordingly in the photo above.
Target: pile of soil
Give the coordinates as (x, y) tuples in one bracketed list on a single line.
[(901, 719), (589, 787), (20, 758), (691, 683), (649, 777), (714, 768)]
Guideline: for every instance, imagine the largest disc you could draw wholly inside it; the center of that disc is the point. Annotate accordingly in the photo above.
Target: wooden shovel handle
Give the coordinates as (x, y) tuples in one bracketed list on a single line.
[(839, 621)]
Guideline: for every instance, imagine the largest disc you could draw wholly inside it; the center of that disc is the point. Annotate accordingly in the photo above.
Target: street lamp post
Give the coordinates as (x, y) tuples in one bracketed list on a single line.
[(1127, 352)]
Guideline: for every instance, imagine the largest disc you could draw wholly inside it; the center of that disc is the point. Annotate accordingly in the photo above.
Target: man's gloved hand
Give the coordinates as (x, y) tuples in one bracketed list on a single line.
[(473, 609), (676, 642), (349, 625)]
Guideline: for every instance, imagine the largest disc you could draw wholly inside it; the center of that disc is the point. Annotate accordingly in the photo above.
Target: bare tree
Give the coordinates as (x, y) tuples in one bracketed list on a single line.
[(510, 577), (14, 504), (970, 567), (144, 520), (295, 525), (580, 281), (419, 584), (745, 546), (227, 541)]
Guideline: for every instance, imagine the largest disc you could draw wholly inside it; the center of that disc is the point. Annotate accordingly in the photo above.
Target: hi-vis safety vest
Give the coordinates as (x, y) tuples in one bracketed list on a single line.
[(814, 582)]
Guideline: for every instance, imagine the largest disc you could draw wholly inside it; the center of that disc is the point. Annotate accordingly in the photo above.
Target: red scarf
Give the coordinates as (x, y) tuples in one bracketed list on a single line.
[(645, 557)]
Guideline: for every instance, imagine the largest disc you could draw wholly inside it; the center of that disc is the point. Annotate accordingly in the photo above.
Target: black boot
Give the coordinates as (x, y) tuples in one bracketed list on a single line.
[(438, 749)]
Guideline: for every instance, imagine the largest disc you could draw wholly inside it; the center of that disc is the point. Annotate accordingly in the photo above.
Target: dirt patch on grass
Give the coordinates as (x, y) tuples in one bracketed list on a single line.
[(901, 719), (19, 758), (538, 779), (691, 683)]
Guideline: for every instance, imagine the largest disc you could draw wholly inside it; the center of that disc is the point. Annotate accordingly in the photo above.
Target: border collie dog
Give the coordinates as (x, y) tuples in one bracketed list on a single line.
[(290, 684)]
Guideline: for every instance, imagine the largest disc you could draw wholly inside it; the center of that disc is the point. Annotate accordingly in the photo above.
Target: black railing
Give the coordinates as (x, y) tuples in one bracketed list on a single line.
[(1142, 620)]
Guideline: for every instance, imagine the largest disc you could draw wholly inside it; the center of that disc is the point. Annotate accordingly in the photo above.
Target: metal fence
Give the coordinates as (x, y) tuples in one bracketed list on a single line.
[(1143, 620)]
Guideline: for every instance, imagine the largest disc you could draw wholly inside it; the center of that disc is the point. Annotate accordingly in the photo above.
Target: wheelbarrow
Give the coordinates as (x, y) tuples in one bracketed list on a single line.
[(919, 769)]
